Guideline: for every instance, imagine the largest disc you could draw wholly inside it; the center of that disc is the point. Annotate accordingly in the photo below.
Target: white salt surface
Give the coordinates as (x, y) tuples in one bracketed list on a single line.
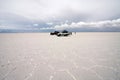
[(40, 56)]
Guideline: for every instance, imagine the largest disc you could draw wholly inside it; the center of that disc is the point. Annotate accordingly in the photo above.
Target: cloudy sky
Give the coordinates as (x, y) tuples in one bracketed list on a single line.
[(46, 15)]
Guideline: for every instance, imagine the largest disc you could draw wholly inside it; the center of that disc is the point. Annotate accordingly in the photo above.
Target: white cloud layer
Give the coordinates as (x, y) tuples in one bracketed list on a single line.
[(50, 9), (98, 25), (42, 14)]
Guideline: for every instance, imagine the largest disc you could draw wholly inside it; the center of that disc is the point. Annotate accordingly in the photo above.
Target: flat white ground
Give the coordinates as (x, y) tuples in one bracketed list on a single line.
[(40, 56)]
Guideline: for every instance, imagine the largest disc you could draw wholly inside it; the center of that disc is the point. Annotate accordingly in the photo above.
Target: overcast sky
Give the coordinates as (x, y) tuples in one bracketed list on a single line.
[(78, 15)]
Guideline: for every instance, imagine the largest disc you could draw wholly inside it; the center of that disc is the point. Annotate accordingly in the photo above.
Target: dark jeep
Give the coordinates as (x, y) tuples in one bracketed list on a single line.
[(54, 33), (64, 33)]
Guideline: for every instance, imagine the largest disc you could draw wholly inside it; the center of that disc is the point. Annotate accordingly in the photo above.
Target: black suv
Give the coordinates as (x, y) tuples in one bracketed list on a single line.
[(63, 33)]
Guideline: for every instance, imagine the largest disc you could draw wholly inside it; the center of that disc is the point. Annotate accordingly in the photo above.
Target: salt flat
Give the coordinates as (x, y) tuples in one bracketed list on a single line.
[(40, 56)]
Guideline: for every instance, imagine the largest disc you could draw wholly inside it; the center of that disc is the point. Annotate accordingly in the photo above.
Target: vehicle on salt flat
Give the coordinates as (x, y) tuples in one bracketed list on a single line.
[(54, 33), (62, 33)]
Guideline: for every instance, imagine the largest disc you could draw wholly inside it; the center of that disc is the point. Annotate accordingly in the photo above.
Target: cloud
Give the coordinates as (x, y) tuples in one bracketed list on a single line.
[(35, 24), (41, 14), (64, 9), (105, 25), (49, 23)]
